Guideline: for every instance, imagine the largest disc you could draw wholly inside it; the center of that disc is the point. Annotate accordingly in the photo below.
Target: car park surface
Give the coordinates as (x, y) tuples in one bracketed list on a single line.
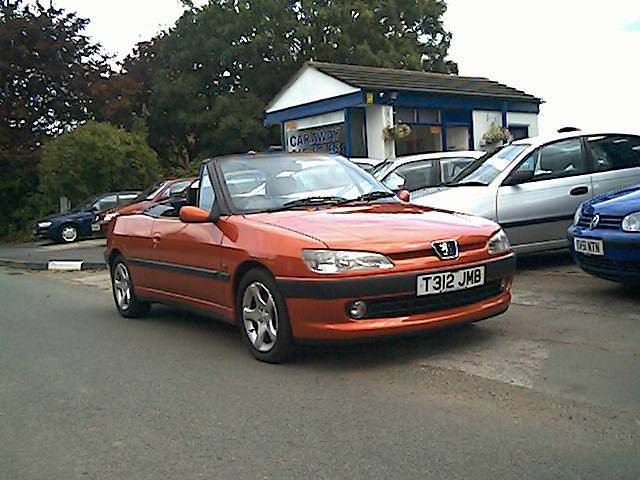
[(532, 187), (605, 237), (549, 390), (297, 255)]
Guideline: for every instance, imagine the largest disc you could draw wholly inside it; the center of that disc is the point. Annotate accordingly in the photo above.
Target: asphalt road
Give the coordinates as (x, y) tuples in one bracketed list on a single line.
[(91, 250), (549, 390)]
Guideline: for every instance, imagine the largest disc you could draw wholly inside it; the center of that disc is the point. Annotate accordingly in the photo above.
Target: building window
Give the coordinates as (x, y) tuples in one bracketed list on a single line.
[(423, 139), (357, 133), (457, 138), (518, 132)]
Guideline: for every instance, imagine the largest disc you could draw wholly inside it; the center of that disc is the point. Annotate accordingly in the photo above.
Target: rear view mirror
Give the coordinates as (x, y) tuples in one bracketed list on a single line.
[(518, 177), (404, 195), (190, 214)]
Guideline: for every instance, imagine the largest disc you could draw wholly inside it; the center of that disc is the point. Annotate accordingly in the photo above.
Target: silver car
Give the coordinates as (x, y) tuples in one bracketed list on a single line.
[(425, 172), (533, 187)]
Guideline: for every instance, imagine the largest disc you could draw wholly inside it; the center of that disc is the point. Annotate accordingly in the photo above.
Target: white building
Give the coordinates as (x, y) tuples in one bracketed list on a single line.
[(351, 109)]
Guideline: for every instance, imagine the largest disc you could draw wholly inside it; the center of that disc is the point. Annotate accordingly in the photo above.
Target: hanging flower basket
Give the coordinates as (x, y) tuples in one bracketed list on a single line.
[(396, 132), (496, 135)]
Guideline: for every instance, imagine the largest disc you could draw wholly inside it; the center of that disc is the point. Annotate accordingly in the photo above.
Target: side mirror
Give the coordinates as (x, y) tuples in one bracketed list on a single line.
[(404, 195), (518, 177), (190, 214)]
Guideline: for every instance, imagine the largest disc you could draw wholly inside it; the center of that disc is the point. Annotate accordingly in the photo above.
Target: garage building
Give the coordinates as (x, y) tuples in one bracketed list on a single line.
[(356, 111)]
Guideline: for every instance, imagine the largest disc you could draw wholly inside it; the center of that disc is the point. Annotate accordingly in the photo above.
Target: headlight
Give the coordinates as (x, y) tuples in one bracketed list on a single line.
[(499, 243), (576, 217), (338, 261), (44, 224), (631, 223)]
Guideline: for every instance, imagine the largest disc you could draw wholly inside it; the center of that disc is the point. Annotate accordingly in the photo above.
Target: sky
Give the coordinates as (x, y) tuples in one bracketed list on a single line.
[(579, 56)]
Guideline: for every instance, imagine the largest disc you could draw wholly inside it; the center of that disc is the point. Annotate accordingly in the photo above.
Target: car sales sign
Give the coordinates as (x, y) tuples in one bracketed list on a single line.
[(328, 138)]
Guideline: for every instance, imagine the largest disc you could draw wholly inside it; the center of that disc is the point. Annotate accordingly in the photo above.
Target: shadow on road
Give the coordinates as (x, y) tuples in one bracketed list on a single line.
[(543, 260), (338, 356)]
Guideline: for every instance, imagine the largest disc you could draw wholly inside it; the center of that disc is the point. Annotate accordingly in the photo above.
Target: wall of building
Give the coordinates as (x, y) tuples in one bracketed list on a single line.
[(310, 86), (379, 117), (524, 119), (482, 121)]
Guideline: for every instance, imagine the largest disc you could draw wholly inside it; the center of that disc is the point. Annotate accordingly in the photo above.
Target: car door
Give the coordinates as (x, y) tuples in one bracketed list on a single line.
[(187, 256), (615, 160), (537, 212)]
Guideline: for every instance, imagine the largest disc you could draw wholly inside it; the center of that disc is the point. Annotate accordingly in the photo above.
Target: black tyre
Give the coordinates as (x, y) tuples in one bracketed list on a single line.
[(124, 295), (263, 317), (68, 233)]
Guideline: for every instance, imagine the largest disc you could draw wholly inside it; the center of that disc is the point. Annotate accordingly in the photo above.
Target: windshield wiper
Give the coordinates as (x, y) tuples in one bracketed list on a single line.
[(473, 183), (312, 201), (367, 197)]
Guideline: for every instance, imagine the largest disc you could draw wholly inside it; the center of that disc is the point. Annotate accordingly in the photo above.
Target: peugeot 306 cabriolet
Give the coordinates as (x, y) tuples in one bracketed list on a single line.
[(308, 247)]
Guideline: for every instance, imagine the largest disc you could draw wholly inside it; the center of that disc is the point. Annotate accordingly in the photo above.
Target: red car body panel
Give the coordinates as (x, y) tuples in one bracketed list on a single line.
[(199, 265)]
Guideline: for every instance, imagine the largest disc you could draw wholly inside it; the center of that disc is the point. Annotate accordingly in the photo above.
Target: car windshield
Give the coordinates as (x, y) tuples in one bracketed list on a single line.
[(486, 169), (278, 182), (150, 192), (380, 167)]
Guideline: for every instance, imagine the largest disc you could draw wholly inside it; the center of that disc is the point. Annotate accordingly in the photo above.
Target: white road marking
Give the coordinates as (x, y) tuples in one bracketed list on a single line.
[(66, 265)]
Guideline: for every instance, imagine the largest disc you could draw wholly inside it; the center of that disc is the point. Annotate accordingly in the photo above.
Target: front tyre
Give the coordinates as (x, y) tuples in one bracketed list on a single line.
[(126, 301), (68, 233), (263, 318)]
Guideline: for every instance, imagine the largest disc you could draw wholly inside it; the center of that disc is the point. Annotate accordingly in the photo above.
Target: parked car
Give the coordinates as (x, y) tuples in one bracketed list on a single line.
[(306, 258), (424, 172), (156, 193), (533, 186), (367, 164), (78, 223), (605, 236)]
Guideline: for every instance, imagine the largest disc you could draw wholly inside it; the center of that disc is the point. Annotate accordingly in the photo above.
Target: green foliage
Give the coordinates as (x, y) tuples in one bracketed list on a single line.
[(212, 75), (95, 158), (47, 67)]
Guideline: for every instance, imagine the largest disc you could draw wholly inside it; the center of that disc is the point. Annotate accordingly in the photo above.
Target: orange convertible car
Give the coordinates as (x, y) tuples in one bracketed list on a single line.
[(296, 247)]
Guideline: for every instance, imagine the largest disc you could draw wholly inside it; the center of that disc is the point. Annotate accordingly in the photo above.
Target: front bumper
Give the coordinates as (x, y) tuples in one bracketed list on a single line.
[(47, 233), (318, 308), (621, 260)]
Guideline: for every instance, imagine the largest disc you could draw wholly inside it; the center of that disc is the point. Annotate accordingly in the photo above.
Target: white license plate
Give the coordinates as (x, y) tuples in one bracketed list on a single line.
[(589, 247), (443, 282), (95, 227)]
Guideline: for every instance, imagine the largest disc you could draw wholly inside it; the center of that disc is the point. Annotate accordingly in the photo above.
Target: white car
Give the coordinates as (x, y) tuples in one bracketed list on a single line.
[(425, 172), (532, 187)]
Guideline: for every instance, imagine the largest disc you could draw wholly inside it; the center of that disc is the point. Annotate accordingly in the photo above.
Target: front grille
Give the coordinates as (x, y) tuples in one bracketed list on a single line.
[(606, 265), (413, 305), (600, 263), (429, 252), (607, 222)]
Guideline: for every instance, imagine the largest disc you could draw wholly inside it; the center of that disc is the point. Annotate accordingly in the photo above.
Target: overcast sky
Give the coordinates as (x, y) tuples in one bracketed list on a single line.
[(580, 57)]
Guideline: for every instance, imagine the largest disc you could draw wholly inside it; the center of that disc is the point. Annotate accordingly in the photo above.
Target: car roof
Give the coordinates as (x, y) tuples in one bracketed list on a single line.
[(436, 156), (544, 139)]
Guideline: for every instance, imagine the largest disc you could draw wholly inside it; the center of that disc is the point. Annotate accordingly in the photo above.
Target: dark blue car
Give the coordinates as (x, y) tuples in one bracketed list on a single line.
[(70, 226), (605, 237)]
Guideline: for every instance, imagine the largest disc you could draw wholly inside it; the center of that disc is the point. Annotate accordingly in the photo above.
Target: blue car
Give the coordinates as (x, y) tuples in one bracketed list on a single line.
[(70, 226), (605, 236)]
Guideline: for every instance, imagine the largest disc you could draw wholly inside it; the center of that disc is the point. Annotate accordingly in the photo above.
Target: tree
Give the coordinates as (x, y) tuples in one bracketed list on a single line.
[(95, 158), (47, 67), (216, 70)]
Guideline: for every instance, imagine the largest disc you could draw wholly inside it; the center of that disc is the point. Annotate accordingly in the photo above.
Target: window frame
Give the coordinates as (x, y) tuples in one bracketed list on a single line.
[(592, 160), (538, 149)]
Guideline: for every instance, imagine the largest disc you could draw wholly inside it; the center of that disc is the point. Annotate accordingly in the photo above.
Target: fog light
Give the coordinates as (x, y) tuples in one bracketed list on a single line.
[(357, 309)]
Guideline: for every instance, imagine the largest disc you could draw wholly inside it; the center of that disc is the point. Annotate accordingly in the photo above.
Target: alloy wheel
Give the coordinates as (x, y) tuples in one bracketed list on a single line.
[(122, 286), (260, 316)]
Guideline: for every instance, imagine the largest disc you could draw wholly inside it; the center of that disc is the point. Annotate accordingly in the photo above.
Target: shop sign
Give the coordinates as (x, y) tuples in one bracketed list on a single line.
[(328, 138)]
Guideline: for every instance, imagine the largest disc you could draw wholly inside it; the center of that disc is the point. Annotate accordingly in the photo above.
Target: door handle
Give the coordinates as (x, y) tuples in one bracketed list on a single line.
[(155, 239), (576, 192)]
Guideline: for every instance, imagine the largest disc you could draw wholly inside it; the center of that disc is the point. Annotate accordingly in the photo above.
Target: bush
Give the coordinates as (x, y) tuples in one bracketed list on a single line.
[(95, 158)]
